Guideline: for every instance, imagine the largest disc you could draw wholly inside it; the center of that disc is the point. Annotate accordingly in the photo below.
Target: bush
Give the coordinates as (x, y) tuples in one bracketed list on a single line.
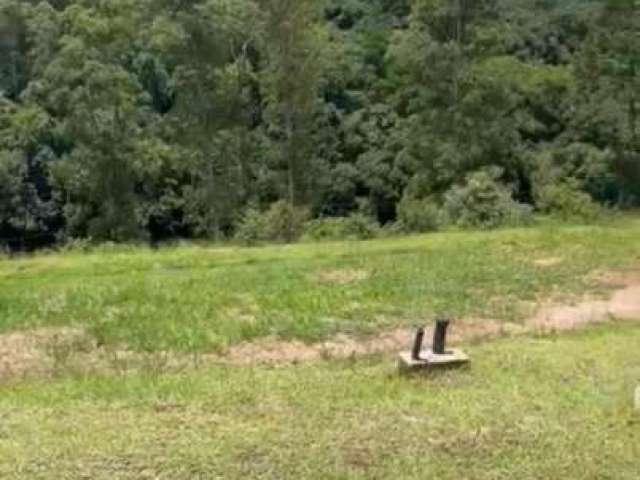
[(284, 222), (251, 227), (567, 202), (418, 216), (484, 202), (354, 227), (74, 244), (281, 223)]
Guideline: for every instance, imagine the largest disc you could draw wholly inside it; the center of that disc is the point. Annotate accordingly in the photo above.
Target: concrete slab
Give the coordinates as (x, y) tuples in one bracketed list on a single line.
[(430, 361), (637, 399)]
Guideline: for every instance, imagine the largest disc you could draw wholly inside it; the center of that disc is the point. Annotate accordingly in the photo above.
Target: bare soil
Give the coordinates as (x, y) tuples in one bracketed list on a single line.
[(343, 276), (47, 351), (41, 351), (548, 262)]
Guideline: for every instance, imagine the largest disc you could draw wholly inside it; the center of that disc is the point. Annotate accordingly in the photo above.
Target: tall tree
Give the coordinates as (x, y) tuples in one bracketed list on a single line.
[(294, 49), (621, 22), (456, 111), (13, 49), (209, 47), (98, 109), (608, 109)]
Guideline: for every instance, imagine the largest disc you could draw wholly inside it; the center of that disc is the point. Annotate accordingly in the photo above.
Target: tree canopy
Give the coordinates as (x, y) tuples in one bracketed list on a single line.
[(158, 119)]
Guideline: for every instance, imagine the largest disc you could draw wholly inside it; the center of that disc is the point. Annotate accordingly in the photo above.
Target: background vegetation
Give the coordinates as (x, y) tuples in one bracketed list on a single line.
[(156, 119)]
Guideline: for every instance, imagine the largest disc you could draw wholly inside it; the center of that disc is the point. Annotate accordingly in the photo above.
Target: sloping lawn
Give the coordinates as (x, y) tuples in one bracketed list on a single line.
[(201, 299), (528, 408)]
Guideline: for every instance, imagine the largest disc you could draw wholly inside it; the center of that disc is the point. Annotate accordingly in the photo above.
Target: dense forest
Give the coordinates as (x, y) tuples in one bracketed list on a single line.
[(125, 120)]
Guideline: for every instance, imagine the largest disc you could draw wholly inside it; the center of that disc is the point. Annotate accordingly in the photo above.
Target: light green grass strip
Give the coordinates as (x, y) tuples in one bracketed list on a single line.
[(202, 299)]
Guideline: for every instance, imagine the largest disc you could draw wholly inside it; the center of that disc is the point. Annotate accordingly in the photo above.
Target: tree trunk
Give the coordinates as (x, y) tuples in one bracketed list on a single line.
[(291, 161)]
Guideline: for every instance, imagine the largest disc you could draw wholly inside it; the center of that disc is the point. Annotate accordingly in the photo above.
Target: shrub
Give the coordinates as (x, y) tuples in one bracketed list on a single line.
[(418, 216), (567, 202), (355, 227), (251, 227), (74, 244), (484, 202), (281, 223), (285, 222)]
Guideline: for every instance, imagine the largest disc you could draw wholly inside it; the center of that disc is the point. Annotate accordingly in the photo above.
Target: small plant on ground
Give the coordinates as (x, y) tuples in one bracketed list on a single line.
[(62, 348)]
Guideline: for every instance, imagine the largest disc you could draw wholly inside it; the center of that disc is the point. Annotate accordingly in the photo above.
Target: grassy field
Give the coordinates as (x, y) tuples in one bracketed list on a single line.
[(532, 408), (202, 299)]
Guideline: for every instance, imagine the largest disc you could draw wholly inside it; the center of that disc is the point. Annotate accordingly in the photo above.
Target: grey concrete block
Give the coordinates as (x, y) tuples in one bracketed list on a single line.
[(430, 361)]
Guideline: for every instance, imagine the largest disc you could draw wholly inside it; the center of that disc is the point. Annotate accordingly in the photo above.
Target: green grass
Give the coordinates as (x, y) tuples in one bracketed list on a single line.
[(203, 298), (528, 408)]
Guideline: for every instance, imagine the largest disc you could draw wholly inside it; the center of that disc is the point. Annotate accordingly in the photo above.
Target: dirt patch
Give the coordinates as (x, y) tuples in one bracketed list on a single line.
[(624, 304), (570, 317), (274, 351), (44, 352), (39, 352), (268, 351), (618, 280), (20, 353), (343, 276), (547, 262), (480, 329)]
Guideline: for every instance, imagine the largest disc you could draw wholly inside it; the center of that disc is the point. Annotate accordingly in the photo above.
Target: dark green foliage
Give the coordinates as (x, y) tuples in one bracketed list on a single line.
[(282, 222), (567, 202), (27, 215), (357, 226), (419, 216), (157, 119), (484, 202), (251, 227)]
